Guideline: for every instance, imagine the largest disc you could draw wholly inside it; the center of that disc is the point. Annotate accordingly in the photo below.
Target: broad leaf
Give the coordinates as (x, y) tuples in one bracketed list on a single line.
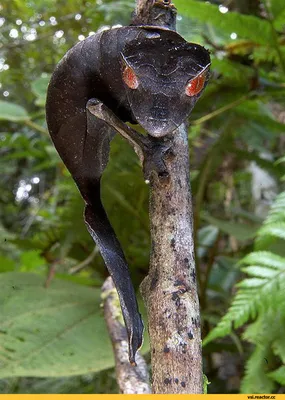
[(246, 26), (12, 112), (52, 332), (39, 88), (240, 231), (277, 7)]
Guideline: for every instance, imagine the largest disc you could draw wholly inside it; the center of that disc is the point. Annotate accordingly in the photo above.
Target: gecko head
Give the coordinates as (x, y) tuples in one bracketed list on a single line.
[(163, 76)]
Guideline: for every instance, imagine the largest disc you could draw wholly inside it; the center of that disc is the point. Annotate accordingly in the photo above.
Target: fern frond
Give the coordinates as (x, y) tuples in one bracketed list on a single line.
[(277, 210), (278, 375), (266, 337), (242, 309), (264, 258), (261, 298), (272, 229), (280, 160), (263, 329), (279, 343), (254, 294), (276, 229), (255, 270), (251, 283), (256, 379)]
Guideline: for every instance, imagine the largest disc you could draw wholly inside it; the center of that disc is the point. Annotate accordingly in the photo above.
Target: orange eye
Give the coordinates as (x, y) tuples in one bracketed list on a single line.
[(195, 86), (130, 78)]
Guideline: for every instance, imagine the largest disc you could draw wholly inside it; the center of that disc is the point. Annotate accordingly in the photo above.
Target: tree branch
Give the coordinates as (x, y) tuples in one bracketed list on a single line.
[(131, 380), (170, 289), (155, 12), (84, 263)]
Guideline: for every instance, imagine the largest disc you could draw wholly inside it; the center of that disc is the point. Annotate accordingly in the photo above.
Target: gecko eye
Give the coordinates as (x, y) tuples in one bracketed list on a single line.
[(130, 78), (195, 85)]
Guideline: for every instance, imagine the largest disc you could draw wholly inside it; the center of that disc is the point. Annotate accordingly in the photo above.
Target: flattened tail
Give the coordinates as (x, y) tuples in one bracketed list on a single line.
[(83, 144), (104, 236)]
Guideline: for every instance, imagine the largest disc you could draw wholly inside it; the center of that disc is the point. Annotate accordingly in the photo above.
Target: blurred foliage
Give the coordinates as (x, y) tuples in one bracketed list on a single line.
[(261, 298), (236, 136)]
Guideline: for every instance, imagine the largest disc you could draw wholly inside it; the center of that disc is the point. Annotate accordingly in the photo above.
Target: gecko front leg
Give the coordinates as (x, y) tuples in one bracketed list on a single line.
[(150, 151)]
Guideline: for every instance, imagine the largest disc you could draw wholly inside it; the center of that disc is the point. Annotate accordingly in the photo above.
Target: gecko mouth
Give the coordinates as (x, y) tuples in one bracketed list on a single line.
[(158, 127)]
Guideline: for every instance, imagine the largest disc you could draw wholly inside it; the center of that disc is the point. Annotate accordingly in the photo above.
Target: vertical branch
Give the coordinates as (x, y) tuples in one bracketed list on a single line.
[(156, 13), (143, 9), (170, 289)]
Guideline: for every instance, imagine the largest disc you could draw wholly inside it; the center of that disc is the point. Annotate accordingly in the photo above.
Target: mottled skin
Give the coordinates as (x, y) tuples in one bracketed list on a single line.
[(163, 63)]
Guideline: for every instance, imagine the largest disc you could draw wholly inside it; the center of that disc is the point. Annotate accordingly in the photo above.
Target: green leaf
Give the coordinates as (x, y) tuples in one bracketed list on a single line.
[(39, 88), (261, 272), (276, 7), (12, 112), (240, 231), (276, 229), (265, 335), (251, 283), (6, 264), (31, 260), (245, 26), (279, 21), (58, 331), (278, 375), (232, 71), (206, 238), (243, 307), (263, 163), (281, 160), (258, 112), (205, 384), (81, 280), (279, 343), (256, 379), (258, 297), (264, 258)]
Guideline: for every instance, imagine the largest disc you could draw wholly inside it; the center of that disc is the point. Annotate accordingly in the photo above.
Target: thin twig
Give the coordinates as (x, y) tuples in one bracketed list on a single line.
[(131, 379), (84, 263), (35, 126), (211, 259), (221, 110), (51, 273)]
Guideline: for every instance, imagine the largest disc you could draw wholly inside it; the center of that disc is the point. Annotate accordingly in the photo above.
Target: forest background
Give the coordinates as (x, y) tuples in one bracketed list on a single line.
[(53, 339)]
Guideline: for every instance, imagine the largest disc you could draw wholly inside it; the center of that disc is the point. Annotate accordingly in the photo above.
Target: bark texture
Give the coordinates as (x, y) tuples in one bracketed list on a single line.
[(131, 379), (170, 289), (155, 12)]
